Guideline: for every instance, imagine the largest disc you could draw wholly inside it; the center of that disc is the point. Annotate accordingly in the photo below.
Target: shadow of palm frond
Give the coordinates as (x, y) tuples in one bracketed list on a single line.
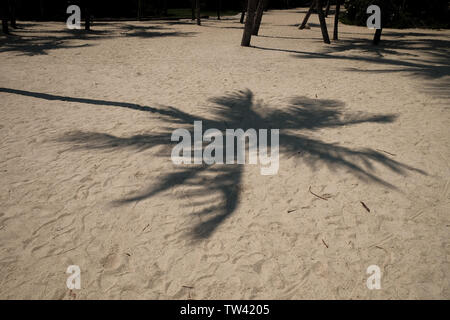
[(418, 55), (215, 189), (152, 31), (42, 41), (29, 44)]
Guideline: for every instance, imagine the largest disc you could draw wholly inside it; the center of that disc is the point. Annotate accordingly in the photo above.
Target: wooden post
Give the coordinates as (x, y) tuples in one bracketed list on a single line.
[(336, 20), (323, 24), (247, 35), (305, 20)]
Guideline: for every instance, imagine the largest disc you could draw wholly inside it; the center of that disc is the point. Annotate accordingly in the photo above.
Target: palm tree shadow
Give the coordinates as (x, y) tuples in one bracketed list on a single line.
[(214, 190), (42, 41), (429, 61)]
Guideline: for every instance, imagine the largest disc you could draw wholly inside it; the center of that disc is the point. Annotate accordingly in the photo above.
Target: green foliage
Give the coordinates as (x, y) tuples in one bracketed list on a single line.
[(400, 13)]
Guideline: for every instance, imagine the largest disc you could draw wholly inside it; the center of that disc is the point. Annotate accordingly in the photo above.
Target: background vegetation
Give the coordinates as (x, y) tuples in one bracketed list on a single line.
[(401, 13)]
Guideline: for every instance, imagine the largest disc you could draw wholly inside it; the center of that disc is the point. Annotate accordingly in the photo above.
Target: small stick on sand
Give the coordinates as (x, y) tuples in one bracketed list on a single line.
[(292, 210), (365, 207), (146, 227), (317, 195), (386, 152), (325, 243)]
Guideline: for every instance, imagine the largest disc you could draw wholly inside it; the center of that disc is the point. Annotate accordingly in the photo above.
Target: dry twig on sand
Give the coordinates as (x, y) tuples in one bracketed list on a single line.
[(317, 195), (392, 154), (365, 207)]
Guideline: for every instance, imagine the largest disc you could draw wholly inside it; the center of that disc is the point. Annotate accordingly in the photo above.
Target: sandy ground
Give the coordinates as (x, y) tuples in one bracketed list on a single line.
[(87, 180)]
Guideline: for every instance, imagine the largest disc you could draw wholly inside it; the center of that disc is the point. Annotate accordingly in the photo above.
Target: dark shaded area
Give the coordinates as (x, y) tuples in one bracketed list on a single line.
[(32, 44), (238, 110), (288, 38), (28, 43), (55, 9), (400, 13), (33, 47), (152, 32)]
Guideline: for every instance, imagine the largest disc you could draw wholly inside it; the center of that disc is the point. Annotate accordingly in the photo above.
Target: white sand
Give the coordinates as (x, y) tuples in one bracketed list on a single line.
[(65, 164)]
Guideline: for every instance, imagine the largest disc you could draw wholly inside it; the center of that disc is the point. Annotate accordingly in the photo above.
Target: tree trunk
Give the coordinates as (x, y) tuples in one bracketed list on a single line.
[(305, 20), (247, 35), (165, 8), (258, 16), (12, 12), (5, 16), (377, 36), (244, 9), (219, 5), (336, 20), (197, 11), (323, 24), (5, 26), (87, 18), (41, 7), (140, 9), (193, 9), (327, 10)]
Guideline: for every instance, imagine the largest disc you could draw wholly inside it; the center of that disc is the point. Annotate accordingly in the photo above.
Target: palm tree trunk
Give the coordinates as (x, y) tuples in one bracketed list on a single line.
[(164, 9), (377, 36), (336, 20), (259, 15), (41, 7), (247, 35), (197, 11), (139, 9), (5, 16), (12, 11), (193, 9), (244, 9), (87, 18), (323, 24), (219, 5), (327, 10), (305, 20), (5, 29)]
